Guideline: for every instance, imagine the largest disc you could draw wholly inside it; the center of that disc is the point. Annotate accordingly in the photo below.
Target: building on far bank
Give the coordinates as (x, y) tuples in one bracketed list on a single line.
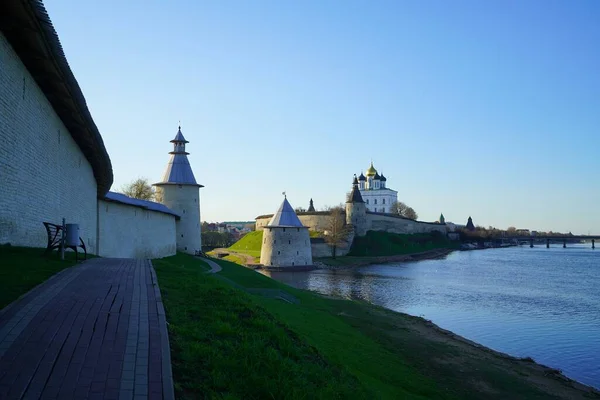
[(374, 191)]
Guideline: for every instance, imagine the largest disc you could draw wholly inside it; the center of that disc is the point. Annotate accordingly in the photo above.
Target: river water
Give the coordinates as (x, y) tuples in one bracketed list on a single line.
[(542, 303)]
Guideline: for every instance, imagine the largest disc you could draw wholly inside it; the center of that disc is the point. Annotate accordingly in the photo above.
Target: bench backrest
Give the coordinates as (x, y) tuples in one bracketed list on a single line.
[(54, 235)]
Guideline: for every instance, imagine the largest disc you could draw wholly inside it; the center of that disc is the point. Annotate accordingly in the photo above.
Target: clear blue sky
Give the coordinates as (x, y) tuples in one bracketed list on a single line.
[(481, 108)]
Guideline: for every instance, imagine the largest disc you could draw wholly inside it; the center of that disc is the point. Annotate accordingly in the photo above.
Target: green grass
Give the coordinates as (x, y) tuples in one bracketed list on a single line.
[(376, 243), (23, 268), (249, 244), (225, 345), (219, 330), (235, 259)]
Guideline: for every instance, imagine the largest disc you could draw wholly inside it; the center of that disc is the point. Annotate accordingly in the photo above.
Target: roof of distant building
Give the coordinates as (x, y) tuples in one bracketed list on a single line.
[(149, 205), (178, 169), (285, 217), (371, 171), (179, 137)]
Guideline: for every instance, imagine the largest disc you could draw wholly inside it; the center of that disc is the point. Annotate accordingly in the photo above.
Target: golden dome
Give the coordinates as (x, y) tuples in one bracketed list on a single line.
[(371, 171)]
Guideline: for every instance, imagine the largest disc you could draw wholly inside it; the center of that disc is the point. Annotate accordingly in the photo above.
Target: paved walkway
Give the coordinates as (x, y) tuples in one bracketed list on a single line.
[(94, 331), (214, 267)]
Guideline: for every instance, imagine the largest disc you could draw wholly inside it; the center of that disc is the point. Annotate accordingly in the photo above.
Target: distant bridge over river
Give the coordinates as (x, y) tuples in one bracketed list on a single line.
[(564, 239)]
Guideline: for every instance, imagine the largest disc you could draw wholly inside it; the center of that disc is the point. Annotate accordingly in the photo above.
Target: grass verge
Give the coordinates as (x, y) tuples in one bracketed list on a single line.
[(220, 331), (378, 243), (225, 345), (23, 268)]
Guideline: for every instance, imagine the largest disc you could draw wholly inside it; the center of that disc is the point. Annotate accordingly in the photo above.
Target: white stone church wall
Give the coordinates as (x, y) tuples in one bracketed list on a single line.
[(44, 176), (133, 232)]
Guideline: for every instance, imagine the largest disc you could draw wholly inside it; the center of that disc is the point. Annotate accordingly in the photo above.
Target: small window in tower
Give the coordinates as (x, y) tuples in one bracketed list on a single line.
[(194, 200), (298, 229), (289, 242), (292, 264), (182, 235), (367, 201), (375, 201), (284, 229), (186, 247), (184, 211), (383, 201), (297, 252), (279, 252), (274, 241)]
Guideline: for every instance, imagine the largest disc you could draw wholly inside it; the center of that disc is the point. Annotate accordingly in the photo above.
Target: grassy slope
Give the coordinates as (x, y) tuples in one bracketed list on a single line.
[(249, 244), (225, 345), (367, 351), (376, 243), (23, 268)]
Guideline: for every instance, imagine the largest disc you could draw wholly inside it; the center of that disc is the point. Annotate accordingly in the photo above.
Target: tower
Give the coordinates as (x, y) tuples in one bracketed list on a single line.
[(179, 191), (356, 211), (311, 206), (286, 242), (442, 219)]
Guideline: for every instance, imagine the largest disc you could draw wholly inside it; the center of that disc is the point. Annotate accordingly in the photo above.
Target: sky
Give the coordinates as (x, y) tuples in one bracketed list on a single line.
[(489, 109)]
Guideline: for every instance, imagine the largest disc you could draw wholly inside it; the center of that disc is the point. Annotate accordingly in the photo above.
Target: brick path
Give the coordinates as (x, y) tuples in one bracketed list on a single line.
[(94, 331)]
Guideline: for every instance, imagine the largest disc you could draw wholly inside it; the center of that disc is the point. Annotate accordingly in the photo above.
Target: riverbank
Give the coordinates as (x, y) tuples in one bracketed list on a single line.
[(236, 323), (353, 261)]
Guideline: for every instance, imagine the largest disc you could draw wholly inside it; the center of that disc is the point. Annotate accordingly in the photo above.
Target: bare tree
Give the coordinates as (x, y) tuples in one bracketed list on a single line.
[(139, 189), (337, 231), (400, 208)]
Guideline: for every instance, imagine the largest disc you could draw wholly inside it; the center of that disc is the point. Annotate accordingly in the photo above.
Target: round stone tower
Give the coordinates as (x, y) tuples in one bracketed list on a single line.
[(356, 211), (179, 191), (286, 242)]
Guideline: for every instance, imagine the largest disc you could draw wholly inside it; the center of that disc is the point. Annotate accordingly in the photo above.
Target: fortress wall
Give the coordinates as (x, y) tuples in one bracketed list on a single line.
[(324, 250), (44, 176), (286, 247), (391, 224), (133, 232), (313, 222)]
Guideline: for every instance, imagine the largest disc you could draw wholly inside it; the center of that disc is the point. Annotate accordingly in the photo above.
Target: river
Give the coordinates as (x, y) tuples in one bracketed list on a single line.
[(542, 303)]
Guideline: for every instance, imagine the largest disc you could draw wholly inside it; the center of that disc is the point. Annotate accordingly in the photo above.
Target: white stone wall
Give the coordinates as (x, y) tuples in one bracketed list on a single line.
[(314, 222), (401, 225), (185, 201), (133, 232), (44, 176), (379, 200), (286, 247)]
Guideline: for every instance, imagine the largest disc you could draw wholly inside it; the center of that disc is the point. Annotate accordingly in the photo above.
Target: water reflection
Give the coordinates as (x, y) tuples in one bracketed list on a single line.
[(536, 302)]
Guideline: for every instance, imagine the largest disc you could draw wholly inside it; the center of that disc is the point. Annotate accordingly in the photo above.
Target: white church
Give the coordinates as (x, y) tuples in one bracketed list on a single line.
[(374, 191)]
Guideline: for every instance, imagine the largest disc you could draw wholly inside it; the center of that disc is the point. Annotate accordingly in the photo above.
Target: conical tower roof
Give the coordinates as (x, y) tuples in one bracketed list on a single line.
[(285, 217), (178, 169), (355, 196)]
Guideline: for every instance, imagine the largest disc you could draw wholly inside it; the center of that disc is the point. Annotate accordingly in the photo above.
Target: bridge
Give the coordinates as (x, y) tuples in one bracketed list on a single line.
[(563, 238)]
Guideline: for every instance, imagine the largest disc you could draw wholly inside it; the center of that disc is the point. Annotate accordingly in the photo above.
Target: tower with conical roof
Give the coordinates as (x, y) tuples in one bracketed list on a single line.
[(311, 206), (179, 191), (286, 242), (356, 210), (442, 219)]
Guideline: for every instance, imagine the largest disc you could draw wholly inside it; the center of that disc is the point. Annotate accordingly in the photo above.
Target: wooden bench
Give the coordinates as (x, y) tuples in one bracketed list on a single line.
[(55, 237)]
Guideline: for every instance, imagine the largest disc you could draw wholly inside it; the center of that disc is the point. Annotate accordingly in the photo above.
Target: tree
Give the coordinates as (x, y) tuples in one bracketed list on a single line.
[(400, 208), (139, 189), (337, 231)]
